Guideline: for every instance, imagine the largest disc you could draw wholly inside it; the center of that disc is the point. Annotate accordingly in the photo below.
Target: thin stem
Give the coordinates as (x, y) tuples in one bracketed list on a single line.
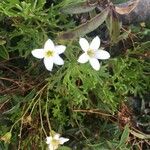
[(39, 92), (42, 126), (4, 103), (34, 106), (47, 115), (92, 111), (20, 134), (81, 130)]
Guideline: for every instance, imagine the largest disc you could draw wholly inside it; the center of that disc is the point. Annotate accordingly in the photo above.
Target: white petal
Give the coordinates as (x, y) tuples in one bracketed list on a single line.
[(60, 49), (49, 45), (102, 54), (56, 136), (55, 147), (95, 63), (38, 53), (58, 60), (95, 44), (84, 44), (63, 140), (83, 58), (48, 62), (51, 147), (48, 140)]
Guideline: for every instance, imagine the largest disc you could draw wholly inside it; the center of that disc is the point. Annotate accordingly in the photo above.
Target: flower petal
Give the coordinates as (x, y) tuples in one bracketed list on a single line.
[(55, 147), (95, 44), (48, 139), (58, 60), (49, 45), (83, 58), (60, 49), (48, 62), (95, 63), (102, 54), (52, 147), (38, 53), (63, 140), (84, 44), (56, 136)]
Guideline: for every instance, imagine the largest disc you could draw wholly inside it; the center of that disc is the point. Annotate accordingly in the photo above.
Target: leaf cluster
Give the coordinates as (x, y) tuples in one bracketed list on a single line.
[(66, 99)]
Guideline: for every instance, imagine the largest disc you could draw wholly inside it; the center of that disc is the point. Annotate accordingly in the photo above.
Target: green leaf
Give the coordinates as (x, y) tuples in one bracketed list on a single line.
[(124, 137), (40, 3), (113, 25), (79, 8), (2, 41), (146, 45), (64, 148), (123, 36), (110, 145), (87, 27), (6, 138), (4, 98), (13, 1), (140, 135), (4, 53), (12, 110), (29, 96)]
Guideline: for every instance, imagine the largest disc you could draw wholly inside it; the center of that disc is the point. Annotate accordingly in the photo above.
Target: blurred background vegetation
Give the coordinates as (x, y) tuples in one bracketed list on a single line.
[(104, 110)]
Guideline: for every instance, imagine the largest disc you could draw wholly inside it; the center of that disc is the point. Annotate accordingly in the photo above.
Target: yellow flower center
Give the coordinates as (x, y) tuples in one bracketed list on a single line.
[(55, 143), (90, 52), (49, 53)]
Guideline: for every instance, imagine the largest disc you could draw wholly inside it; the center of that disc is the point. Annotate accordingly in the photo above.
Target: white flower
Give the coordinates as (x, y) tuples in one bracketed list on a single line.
[(50, 53), (54, 141), (92, 52)]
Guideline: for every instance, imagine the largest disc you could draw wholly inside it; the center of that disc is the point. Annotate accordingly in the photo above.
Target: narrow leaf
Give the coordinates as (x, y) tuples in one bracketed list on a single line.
[(4, 53), (2, 41), (64, 148), (127, 7), (124, 137), (29, 97), (123, 36), (140, 135), (146, 45), (87, 27), (12, 110), (113, 25), (77, 8)]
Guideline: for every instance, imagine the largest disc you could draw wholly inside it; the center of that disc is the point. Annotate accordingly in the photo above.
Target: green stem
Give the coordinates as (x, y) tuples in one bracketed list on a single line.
[(42, 126), (39, 92), (47, 115)]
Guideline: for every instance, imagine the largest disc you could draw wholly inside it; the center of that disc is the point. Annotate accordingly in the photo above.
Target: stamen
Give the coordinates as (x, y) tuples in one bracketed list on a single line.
[(49, 53), (90, 52)]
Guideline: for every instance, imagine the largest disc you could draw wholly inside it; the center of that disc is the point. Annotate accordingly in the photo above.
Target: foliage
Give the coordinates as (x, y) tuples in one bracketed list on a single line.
[(73, 100)]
